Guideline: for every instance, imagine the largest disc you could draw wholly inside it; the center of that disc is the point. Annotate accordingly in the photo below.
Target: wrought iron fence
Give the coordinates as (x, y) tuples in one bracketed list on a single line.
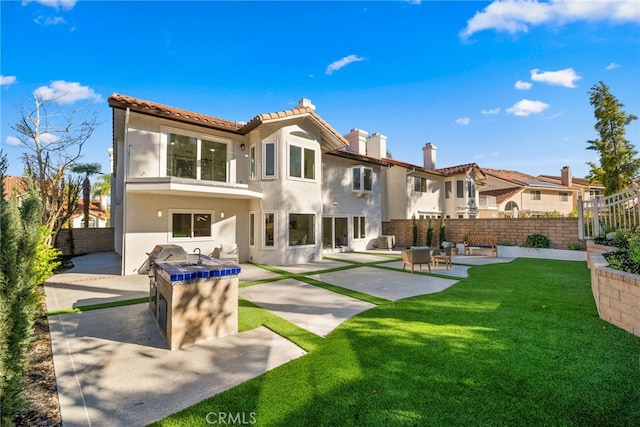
[(600, 215)]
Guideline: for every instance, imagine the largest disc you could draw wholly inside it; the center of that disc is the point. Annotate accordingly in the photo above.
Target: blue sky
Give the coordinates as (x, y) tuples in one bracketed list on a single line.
[(502, 84)]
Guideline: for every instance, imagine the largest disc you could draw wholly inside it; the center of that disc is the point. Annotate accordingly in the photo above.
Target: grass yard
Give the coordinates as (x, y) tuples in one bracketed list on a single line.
[(513, 344)]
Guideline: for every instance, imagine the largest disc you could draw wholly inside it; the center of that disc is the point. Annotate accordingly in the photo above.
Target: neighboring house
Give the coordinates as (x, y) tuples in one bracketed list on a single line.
[(511, 194), (272, 186), (585, 189), (98, 217), (14, 186), (421, 191)]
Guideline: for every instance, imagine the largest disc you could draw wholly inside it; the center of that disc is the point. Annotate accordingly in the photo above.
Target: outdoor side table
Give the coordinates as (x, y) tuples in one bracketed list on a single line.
[(445, 258)]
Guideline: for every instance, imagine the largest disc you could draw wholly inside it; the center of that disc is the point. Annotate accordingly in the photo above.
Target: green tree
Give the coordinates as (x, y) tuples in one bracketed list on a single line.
[(19, 233), (618, 161), (443, 235), (415, 231), (87, 170), (429, 233)]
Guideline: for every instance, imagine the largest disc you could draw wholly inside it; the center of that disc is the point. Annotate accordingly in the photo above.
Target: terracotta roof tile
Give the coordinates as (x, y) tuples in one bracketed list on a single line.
[(14, 184), (502, 194), (117, 100), (410, 166), (360, 157), (456, 170)]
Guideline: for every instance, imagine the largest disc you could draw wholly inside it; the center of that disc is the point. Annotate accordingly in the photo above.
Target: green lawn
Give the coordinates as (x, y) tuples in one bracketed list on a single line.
[(513, 344)]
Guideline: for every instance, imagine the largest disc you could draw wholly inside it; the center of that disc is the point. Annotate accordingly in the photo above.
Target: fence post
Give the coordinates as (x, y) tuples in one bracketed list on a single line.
[(596, 217), (580, 219)]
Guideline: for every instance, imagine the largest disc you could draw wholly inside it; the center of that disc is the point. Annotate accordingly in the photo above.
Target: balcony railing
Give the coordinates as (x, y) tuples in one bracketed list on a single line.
[(487, 202)]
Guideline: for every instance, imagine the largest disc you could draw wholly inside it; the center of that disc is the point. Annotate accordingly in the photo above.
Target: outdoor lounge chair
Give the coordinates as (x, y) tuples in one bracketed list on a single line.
[(226, 252), (417, 256)]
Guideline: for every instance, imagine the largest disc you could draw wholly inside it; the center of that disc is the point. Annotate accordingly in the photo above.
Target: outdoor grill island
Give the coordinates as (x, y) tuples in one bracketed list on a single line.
[(193, 297)]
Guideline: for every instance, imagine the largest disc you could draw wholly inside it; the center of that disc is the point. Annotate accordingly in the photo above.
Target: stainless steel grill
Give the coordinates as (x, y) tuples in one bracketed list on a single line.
[(165, 253)]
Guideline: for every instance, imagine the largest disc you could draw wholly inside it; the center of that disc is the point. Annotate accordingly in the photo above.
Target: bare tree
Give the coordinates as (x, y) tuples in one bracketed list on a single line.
[(52, 138)]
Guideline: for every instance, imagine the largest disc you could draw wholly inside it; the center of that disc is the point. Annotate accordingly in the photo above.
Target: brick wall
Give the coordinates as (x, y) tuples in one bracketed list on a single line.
[(85, 240), (560, 231), (616, 293)]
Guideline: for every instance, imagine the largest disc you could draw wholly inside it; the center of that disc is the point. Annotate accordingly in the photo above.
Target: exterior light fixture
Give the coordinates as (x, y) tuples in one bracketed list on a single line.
[(242, 146)]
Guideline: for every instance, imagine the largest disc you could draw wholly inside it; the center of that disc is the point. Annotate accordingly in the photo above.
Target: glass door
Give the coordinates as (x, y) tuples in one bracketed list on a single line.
[(335, 233)]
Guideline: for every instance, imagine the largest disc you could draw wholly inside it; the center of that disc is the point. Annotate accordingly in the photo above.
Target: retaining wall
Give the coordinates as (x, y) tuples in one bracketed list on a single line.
[(616, 293), (513, 231), (85, 240)]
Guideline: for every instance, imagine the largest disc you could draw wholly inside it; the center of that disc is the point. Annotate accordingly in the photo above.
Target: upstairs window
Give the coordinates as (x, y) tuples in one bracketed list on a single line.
[(460, 189), (302, 162), (362, 179), (447, 190), (252, 162), (196, 158), (564, 197), (420, 185), (269, 162), (535, 195)]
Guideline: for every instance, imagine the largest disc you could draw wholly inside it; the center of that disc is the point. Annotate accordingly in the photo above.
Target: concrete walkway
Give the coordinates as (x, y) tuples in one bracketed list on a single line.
[(112, 365)]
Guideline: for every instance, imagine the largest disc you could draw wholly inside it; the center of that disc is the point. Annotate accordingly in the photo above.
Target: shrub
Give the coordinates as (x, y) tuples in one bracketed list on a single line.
[(574, 246), (47, 257), (429, 233), (536, 241)]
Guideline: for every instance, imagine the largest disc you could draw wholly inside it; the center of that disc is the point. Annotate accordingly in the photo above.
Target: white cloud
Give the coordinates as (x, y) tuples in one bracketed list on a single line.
[(612, 66), (520, 85), (48, 20), (526, 107), (463, 121), (64, 92), (12, 141), (515, 16), (566, 77), (336, 65), (7, 80), (56, 4), (48, 138), (491, 112)]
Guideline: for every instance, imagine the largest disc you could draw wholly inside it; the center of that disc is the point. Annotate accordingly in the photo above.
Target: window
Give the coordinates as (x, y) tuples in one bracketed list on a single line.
[(447, 190), (252, 228), (269, 229), (362, 179), (358, 227), (302, 229), (419, 184), (302, 162), (193, 157), (269, 159), (535, 194), (252, 162), (471, 189), (564, 197), (460, 189), (191, 225)]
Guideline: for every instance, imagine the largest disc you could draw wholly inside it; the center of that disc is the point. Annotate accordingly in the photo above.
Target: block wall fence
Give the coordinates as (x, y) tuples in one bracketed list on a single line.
[(85, 240), (512, 231)]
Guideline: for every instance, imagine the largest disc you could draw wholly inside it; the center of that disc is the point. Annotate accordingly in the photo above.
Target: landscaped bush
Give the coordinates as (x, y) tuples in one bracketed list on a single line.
[(627, 256), (536, 241)]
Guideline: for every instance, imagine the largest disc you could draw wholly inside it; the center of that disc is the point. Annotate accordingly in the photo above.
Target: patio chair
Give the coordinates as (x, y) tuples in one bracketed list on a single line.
[(226, 252), (417, 256)]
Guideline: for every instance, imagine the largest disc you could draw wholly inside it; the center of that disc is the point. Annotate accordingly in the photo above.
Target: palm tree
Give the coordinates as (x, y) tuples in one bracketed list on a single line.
[(88, 169)]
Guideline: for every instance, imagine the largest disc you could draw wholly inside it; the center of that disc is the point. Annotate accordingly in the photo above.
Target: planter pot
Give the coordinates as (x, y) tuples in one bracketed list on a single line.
[(560, 254)]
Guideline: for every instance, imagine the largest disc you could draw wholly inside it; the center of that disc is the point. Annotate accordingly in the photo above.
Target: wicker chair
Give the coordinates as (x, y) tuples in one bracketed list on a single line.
[(417, 256)]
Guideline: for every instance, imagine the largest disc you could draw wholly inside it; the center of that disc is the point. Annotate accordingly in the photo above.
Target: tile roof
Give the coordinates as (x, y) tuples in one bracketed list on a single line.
[(14, 184), (509, 175), (360, 157), (502, 194), (459, 169), (579, 181), (117, 100), (410, 166)]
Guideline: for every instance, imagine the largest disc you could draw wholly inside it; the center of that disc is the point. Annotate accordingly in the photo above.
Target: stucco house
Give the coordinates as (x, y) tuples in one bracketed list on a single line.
[(518, 194), (279, 187), (421, 191), (586, 189), (98, 217)]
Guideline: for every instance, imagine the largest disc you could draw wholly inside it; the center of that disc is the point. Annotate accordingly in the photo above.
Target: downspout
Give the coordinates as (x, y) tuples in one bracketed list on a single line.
[(124, 191)]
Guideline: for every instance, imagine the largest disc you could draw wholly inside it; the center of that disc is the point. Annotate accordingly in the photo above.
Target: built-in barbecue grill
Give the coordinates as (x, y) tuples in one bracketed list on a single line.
[(165, 253)]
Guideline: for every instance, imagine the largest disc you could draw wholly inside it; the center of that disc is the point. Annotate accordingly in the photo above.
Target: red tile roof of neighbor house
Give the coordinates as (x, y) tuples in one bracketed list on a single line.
[(579, 181), (502, 194), (117, 100), (360, 157), (14, 185), (410, 166), (95, 209)]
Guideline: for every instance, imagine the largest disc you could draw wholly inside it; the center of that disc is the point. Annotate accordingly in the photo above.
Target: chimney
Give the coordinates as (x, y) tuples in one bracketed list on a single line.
[(565, 176), (357, 141), (377, 146), (304, 102), (429, 155)]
